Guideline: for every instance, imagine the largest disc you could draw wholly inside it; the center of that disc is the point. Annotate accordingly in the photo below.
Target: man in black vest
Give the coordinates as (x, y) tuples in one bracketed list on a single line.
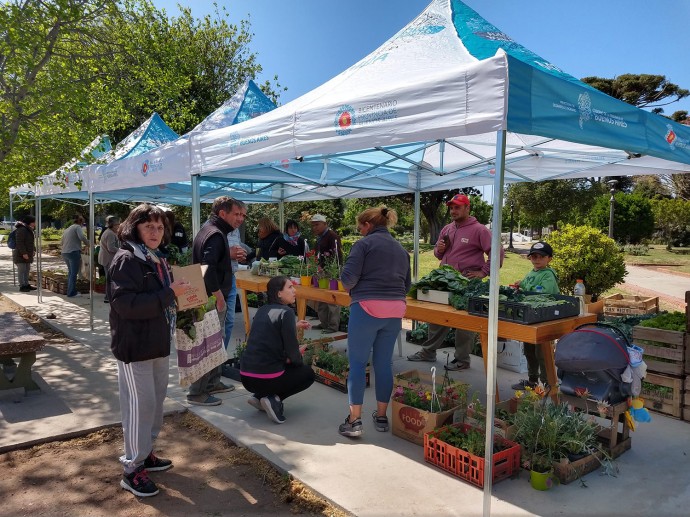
[(210, 248)]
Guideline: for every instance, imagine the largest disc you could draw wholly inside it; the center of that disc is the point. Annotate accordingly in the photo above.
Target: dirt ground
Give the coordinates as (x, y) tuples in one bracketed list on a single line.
[(211, 476)]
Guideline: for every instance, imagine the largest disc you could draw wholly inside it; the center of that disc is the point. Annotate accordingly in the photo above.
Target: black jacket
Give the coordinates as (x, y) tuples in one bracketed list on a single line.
[(211, 248), (139, 330), (26, 245), (272, 341)]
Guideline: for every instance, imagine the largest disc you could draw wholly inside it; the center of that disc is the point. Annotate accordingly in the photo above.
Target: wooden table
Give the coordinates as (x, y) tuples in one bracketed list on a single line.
[(540, 334), (18, 339), (245, 281)]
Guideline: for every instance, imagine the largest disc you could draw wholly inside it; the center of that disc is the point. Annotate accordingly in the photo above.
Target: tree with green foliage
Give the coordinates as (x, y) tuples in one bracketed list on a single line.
[(672, 217), (73, 69), (633, 219), (641, 90), (583, 252), (548, 203)]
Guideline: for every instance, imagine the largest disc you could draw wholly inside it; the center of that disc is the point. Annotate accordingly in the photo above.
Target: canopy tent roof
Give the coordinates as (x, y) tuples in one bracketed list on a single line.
[(153, 133), (432, 98), (163, 174)]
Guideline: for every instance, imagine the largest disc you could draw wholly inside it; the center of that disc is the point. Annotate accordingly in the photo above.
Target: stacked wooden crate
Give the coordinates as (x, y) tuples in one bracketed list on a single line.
[(624, 305), (667, 354)]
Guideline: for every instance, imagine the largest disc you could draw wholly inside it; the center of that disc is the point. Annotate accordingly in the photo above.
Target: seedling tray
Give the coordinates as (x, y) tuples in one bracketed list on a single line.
[(524, 313)]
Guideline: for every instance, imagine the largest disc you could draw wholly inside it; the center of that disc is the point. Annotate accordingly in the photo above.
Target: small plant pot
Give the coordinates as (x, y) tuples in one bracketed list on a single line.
[(341, 287), (305, 280), (541, 480), (315, 281), (323, 283), (333, 284)]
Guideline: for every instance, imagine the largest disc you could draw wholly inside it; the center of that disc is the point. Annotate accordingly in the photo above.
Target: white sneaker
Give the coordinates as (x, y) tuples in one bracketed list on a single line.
[(78, 295)]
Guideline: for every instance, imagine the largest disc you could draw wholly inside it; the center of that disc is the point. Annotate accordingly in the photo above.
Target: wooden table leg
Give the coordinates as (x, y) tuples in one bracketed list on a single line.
[(484, 339), (301, 308), (550, 363), (242, 293)]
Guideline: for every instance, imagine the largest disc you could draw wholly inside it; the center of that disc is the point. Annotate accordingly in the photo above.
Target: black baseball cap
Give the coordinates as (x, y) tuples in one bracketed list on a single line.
[(541, 248)]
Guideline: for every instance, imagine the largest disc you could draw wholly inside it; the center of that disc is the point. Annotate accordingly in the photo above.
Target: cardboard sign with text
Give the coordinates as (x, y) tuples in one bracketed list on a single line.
[(195, 295)]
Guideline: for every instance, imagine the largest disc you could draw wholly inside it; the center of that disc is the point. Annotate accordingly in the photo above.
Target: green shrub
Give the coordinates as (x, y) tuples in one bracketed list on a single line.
[(51, 234), (634, 249), (585, 252)]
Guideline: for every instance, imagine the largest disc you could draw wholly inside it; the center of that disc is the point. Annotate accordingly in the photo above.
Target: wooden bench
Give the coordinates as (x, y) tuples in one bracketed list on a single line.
[(18, 339)]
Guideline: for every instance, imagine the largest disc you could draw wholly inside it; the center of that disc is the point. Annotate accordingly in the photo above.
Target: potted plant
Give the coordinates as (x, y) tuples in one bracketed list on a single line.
[(420, 405), (332, 270), (332, 367), (99, 285), (308, 269), (558, 441), (231, 369)]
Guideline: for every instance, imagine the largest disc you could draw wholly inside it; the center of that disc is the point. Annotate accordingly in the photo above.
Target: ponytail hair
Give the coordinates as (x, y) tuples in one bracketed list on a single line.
[(378, 216)]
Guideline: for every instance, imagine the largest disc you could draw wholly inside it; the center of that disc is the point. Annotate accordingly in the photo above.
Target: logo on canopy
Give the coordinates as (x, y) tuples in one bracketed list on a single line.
[(145, 168), (674, 141), (344, 120)]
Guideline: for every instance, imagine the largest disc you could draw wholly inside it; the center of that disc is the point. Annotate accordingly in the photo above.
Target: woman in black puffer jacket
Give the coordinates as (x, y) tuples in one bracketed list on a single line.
[(142, 294)]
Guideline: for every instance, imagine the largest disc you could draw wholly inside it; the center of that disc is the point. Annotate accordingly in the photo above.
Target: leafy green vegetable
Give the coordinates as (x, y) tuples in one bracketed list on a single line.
[(444, 278), (667, 321)]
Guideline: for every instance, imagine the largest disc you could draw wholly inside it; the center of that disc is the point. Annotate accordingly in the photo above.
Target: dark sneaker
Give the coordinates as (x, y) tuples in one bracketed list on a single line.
[(274, 408), (255, 403), (32, 288), (138, 483), (380, 422), (351, 429), (24, 289), (156, 464), (209, 400), (221, 388), (456, 366), (524, 383), (328, 331), (422, 356)]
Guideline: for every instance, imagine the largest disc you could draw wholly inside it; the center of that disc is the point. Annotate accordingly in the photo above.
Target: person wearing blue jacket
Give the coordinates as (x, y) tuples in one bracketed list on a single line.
[(377, 275)]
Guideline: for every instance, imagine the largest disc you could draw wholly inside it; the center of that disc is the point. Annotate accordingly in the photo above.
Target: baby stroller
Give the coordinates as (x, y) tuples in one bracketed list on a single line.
[(593, 358)]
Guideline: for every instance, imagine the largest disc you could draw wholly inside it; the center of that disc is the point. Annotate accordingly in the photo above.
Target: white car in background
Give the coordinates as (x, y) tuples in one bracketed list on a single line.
[(7, 225)]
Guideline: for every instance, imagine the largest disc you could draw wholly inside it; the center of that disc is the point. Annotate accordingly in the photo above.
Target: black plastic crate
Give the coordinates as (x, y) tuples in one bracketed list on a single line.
[(523, 313)]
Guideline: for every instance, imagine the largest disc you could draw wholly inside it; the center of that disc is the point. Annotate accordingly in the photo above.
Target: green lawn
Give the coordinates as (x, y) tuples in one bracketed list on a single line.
[(678, 259)]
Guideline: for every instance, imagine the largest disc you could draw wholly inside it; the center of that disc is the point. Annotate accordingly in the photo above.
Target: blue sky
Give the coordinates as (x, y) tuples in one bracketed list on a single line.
[(306, 42)]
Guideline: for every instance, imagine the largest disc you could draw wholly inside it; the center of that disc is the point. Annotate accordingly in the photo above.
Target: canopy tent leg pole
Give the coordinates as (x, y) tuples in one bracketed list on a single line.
[(14, 269), (281, 213), (196, 206), (92, 246), (415, 233), (494, 284), (39, 253)]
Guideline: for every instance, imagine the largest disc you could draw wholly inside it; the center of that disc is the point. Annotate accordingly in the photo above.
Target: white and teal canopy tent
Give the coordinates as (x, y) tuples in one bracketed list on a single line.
[(449, 101)]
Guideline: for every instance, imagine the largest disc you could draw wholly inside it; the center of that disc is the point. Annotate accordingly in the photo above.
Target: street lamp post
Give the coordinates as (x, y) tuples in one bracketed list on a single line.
[(612, 188), (510, 245)]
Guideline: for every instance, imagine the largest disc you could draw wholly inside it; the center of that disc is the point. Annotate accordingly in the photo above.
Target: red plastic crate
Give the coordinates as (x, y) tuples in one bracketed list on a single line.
[(467, 466)]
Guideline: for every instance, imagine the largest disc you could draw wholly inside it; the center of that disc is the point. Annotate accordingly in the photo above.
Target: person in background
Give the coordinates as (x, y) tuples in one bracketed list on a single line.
[(109, 244), (142, 294), (270, 239), (464, 244), (541, 279), (293, 243), (178, 233), (377, 275), (271, 366), (24, 251), (211, 248), (72, 240), (327, 245), (238, 253)]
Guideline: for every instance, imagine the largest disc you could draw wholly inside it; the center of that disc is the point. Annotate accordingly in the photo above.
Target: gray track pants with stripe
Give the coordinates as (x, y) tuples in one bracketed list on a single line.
[(143, 387)]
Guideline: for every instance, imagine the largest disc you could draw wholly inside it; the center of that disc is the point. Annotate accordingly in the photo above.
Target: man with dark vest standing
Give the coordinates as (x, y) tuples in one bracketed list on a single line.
[(210, 248)]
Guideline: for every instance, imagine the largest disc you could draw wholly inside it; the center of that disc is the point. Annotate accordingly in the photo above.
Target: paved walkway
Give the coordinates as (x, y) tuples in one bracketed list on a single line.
[(378, 475)]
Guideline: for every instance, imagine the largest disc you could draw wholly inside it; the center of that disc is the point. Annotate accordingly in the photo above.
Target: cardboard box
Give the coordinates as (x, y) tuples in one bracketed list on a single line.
[(195, 295), (412, 423), (434, 296), (511, 356)]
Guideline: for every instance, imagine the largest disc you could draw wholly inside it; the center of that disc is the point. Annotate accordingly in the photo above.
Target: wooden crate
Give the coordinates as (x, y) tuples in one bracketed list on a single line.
[(568, 471), (671, 403), (686, 399), (615, 433), (665, 351), (622, 304)]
